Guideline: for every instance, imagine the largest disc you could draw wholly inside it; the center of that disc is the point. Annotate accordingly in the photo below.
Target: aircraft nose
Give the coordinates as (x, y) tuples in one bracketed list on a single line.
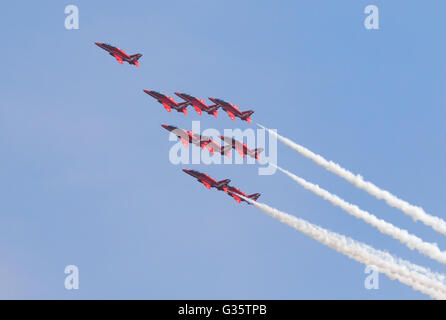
[(165, 126), (97, 43)]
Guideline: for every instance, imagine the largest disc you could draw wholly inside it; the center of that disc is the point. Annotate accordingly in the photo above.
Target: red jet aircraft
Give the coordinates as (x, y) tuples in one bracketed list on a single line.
[(120, 54), (233, 110), (242, 148), (198, 104), (234, 192), (187, 137), (168, 102), (208, 181)]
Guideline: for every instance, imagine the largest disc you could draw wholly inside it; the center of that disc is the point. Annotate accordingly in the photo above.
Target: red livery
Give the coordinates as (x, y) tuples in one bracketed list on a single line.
[(234, 192), (233, 110), (120, 54), (198, 104), (222, 185), (208, 181), (168, 102)]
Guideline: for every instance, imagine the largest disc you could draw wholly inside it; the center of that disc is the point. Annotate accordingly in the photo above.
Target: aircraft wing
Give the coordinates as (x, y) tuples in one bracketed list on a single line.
[(231, 115), (207, 185), (211, 149), (197, 109), (184, 141), (118, 58), (237, 198), (227, 150), (166, 106), (240, 151)]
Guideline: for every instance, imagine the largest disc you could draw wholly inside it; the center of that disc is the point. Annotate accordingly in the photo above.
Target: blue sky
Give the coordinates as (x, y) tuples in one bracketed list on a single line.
[(85, 177)]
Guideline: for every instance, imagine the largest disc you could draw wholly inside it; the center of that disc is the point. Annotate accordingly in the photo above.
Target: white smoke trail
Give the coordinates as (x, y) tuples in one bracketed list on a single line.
[(435, 276), (417, 213), (413, 242), (360, 253)]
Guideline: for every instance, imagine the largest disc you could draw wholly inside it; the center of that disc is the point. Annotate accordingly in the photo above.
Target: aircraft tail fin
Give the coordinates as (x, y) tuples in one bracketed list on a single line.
[(134, 59), (213, 110), (254, 196), (182, 107), (257, 152), (223, 182), (246, 115), (183, 104)]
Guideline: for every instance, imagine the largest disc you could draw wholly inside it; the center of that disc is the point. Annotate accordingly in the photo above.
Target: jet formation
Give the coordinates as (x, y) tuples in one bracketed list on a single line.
[(189, 137)]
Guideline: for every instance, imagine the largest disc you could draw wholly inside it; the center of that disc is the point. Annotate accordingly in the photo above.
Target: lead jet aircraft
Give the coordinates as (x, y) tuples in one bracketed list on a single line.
[(208, 181), (198, 104), (120, 54), (233, 110), (187, 137), (242, 148), (168, 102), (234, 192)]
